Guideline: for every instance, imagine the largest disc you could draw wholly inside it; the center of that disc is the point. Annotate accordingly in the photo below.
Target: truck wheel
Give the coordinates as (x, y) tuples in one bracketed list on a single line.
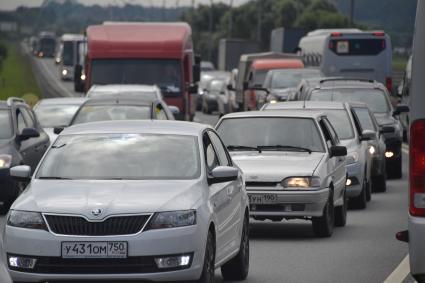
[(341, 213), (323, 225), (237, 268), (379, 183), (207, 275), (394, 171)]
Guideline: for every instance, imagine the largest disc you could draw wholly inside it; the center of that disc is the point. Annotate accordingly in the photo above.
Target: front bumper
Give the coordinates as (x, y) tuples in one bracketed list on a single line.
[(142, 249), (417, 245), (290, 204), (355, 175)]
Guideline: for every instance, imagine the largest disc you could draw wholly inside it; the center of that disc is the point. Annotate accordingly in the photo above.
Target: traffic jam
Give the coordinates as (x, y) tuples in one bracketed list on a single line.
[(124, 181)]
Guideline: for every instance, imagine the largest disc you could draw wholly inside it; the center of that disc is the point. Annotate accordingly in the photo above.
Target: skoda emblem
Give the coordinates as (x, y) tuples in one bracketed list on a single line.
[(96, 212)]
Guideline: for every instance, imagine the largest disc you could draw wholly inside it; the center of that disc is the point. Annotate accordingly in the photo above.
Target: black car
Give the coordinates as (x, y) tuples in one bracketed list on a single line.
[(376, 96), (22, 142)]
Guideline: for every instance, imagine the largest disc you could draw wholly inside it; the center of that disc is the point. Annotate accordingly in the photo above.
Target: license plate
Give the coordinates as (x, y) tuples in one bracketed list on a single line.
[(263, 198), (94, 249)]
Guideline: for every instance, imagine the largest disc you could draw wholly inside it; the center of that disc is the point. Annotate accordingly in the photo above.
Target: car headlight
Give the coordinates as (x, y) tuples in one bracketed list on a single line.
[(26, 219), (372, 150), (173, 219), (64, 72), (352, 157), (301, 182), (5, 161)]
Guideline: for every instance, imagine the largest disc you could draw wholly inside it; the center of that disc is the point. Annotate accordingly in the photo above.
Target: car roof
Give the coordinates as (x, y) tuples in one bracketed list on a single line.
[(123, 88), (275, 113), (348, 82), (306, 105), (138, 126), (62, 100), (123, 99)]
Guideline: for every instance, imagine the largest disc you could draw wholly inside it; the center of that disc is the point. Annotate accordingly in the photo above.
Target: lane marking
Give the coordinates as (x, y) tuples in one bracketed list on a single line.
[(400, 273)]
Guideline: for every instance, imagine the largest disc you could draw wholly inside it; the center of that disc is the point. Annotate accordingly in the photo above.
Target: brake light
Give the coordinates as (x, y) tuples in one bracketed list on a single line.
[(389, 83), (336, 34), (417, 168), (379, 33)]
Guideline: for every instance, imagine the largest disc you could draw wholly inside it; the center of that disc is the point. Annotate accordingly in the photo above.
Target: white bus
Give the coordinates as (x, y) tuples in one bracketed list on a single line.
[(70, 48), (349, 53)]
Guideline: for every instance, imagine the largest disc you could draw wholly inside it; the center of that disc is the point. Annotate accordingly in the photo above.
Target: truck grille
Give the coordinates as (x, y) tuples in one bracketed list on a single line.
[(79, 226)]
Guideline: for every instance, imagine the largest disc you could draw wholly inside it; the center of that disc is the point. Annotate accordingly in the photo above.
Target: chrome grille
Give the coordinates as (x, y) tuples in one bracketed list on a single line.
[(79, 226)]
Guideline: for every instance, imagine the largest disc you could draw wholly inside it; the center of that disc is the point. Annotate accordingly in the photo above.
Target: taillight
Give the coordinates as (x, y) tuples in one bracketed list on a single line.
[(336, 34), (389, 83), (379, 33), (417, 168)]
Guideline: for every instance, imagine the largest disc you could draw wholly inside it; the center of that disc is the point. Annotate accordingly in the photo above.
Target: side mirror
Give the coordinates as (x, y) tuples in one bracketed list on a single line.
[(230, 87), (367, 135), (386, 130), (193, 89), (400, 109), (57, 130), (21, 173), (78, 78), (174, 109), (28, 133), (223, 174), (337, 150)]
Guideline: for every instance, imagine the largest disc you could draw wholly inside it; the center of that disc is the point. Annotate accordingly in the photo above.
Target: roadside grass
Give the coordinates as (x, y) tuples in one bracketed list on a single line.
[(16, 77)]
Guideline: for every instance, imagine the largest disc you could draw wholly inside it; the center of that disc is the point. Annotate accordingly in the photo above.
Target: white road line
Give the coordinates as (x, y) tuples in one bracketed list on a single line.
[(400, 273)]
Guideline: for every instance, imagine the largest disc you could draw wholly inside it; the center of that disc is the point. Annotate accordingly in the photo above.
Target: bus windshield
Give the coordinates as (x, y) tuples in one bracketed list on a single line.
[(164, 73)]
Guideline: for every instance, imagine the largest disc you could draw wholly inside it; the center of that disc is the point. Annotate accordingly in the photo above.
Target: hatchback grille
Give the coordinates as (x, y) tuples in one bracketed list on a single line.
[(79, 226)]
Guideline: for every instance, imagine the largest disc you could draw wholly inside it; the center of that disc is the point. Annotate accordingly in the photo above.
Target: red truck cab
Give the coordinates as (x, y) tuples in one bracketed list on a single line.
[(144, 53)]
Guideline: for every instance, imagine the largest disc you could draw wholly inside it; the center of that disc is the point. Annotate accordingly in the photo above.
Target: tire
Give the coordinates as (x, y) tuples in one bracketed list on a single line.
[(394, 171), (323, 225), (237, 268), (360, 202), (379, 183), (368, 190), (341, 213), (207, 275)]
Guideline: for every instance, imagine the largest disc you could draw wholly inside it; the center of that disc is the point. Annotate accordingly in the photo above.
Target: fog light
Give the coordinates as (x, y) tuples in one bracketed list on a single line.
[(64, 72), (22, 262), (348, 182), (173, 261), (389, 154)]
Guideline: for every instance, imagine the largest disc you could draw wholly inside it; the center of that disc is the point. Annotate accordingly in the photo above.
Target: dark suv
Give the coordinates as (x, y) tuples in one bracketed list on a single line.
[(22, 142), (376, 96)]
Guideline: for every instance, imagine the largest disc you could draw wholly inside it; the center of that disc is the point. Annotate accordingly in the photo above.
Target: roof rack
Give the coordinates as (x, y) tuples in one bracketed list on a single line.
[(346, 79), (11, 100)]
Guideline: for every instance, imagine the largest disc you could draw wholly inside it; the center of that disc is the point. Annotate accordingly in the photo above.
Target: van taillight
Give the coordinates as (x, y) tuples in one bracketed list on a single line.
[(389, 83), (379, 33), (336, 34), (417, 168)]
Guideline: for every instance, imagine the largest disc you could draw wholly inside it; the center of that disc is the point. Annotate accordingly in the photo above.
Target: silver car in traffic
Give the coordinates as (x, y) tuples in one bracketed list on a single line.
[(122, 200), (294, 165)]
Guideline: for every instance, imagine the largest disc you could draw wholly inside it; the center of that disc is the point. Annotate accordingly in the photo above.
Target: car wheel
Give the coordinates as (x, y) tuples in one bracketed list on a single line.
[(323, 225), (237, 268), (368, 190), (379, 183), (341, 213), (360, 202), (207, 275), (394, 171)]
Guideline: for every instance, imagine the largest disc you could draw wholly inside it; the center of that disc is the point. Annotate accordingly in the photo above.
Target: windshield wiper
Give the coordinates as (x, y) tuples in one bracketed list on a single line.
[(53, 178), (242, 147), (284, 147)]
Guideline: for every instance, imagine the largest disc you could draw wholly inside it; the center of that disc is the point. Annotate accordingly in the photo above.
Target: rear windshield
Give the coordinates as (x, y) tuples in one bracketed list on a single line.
[(357, 46), (5, 124), (96, 113)]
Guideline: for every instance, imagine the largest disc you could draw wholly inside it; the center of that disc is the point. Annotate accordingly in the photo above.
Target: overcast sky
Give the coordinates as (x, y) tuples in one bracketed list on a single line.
[(13, 4)]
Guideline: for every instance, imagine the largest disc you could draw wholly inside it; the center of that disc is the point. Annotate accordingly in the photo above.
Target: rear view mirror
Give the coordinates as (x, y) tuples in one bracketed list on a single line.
[(386, 130), (223, 174), (367, 135), (336, 150), (400, 109), (21, 173), (28, 133)]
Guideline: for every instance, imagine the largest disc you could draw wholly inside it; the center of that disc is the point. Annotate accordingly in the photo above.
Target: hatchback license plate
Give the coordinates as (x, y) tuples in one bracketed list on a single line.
[(263, 198), (94, 249)]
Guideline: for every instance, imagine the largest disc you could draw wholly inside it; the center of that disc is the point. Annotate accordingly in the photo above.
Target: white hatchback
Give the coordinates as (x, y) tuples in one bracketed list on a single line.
[(121, 200)]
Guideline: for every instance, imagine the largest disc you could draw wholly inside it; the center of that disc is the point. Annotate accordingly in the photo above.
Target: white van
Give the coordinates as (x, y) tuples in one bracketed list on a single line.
[(349, 53), (70, 47)]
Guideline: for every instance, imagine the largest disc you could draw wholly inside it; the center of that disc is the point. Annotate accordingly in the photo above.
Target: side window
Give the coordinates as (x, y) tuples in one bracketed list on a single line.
[(20, 120), (331, 129), (210, 155), (221, 151), (364, 119), (160, 113), (326, 133), (29, 119)]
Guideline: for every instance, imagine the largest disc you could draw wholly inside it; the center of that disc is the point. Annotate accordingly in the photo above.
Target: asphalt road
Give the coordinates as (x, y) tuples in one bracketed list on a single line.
[(364, 251)]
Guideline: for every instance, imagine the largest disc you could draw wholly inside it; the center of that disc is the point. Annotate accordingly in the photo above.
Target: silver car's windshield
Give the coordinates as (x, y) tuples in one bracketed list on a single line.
[(51, 116), (374, 98), (5, 125), (96, 113), (290, 78), (122, 156), (281, 133), (341, 123)]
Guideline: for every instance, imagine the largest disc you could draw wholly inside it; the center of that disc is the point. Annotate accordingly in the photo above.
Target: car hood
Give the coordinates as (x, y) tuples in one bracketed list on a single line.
[(384, 119), (274, 166), (111, 196)]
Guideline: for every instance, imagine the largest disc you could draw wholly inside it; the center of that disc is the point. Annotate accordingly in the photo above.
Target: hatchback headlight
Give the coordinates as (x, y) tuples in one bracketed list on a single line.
[(26, 219), (301, 182), (372, 150), (173, 219), (5, 161), (352, 157)]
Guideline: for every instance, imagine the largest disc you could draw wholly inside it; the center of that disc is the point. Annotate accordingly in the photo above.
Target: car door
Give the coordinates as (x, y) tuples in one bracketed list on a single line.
[(221, 203), (234, 194), (336, 164)]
